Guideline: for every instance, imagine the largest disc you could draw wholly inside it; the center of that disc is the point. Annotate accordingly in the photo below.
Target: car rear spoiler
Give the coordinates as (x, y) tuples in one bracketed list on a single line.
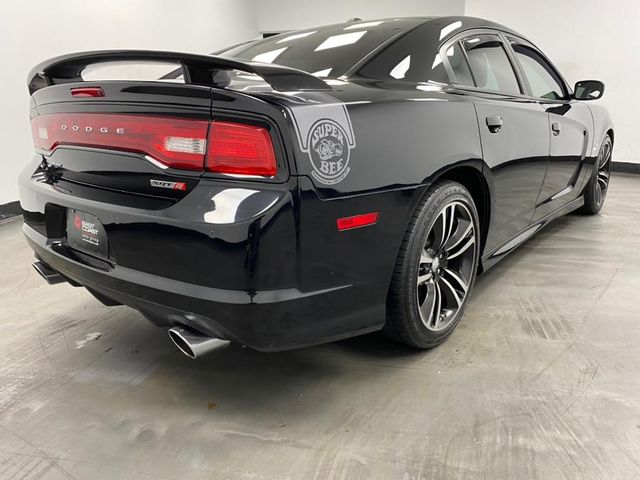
[(196, 69)]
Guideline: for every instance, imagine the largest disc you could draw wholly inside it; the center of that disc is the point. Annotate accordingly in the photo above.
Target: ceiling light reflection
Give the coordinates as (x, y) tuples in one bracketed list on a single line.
[(340, 40)]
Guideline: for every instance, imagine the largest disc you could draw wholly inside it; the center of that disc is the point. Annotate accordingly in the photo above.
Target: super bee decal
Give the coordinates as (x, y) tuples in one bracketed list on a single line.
[(326, 136), (328, 151)]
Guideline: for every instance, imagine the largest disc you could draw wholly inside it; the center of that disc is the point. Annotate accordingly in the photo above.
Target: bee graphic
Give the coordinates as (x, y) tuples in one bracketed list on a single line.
[(328, 148)]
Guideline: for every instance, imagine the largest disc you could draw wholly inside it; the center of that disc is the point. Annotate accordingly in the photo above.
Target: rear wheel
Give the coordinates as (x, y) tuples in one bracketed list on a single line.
[(596, 190), (436, 267)]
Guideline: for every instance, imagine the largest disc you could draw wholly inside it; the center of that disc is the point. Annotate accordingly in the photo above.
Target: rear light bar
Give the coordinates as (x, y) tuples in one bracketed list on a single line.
[(176, 143), (220, 147)]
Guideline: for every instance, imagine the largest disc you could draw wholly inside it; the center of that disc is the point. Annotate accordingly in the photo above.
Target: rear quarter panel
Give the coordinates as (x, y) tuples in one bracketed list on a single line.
[(395, 138), (601, 124), (396, 142)]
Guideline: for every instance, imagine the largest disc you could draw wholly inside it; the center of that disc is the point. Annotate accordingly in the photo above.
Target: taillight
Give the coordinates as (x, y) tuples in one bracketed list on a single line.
[(174, 142), (240, 149), (221, 147)]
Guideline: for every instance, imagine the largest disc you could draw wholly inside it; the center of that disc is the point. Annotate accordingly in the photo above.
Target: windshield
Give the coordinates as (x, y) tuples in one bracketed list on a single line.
[(326, 51)]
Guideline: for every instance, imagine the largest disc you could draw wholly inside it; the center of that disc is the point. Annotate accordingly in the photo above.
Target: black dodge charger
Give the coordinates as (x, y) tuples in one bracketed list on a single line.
[(311, 186)]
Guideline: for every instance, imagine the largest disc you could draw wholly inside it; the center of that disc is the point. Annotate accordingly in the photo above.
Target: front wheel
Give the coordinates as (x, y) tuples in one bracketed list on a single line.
[(598, 186), (436, 267)]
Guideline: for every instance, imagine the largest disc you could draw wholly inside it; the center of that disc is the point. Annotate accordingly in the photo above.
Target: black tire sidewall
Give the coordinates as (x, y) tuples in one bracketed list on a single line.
[(445, 194), (591, 205)]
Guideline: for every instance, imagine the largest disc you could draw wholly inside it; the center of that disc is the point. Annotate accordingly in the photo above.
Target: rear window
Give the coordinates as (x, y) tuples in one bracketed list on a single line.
[(132, 70), (414, 58), (327, 51)]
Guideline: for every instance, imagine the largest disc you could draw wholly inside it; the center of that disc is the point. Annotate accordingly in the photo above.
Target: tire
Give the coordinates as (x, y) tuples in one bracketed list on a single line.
[(424, 314), (596, 190)]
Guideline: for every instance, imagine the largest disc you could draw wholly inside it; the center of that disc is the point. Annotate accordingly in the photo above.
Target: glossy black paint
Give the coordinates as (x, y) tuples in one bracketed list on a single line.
[(261, 262), (197, 69), (588, 90)]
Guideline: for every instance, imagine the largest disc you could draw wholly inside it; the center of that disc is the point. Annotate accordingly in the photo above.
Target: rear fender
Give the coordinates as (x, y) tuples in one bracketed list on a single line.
[(602, 123), (348, 147)]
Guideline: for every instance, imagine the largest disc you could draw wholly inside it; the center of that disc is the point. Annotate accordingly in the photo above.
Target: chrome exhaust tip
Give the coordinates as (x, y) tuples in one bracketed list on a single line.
[(49, 274), (195, 344)]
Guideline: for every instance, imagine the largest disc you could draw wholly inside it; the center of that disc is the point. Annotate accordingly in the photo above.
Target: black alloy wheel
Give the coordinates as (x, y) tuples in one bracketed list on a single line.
[(446, 266), (596, 190), (436, 267)]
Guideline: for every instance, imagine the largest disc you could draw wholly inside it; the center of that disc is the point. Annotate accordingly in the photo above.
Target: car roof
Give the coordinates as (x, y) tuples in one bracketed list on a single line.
[(466, 23), (299, 48)]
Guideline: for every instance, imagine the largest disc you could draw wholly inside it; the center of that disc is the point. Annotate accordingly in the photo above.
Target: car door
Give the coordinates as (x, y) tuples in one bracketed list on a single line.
[(514, 132), (569, 122)]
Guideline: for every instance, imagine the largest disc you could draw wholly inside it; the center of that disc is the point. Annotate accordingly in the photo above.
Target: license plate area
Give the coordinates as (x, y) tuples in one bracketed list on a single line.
[(86, 234)]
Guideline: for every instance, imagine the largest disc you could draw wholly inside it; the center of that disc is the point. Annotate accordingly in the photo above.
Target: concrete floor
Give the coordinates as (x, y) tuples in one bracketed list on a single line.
[(541, 380)]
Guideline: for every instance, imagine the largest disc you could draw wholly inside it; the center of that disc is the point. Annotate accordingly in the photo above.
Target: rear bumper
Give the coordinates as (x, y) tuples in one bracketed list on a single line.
[(264, 320), (260, 265)]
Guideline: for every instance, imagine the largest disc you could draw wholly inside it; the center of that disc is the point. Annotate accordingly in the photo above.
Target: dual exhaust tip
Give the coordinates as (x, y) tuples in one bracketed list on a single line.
[(190, 342), (193, 343)]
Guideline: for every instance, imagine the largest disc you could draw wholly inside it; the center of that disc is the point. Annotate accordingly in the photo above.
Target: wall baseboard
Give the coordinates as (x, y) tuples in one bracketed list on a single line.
[(625, 167), (11, 209)]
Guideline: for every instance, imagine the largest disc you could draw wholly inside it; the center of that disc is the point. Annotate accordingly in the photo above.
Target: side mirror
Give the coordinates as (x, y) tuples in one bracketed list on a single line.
[(588, 90)]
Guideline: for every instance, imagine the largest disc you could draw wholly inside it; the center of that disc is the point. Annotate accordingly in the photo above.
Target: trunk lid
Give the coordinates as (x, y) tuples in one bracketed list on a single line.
[(155, 139), (78, 139)]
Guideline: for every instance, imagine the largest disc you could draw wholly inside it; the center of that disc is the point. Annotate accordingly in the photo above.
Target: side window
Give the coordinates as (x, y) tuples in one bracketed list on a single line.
[(543, 79), (459, 65), (490, 65)]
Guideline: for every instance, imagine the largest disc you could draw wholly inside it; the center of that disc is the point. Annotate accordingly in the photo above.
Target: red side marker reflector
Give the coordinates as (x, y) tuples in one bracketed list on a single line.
[(87, 92), (357, 221)]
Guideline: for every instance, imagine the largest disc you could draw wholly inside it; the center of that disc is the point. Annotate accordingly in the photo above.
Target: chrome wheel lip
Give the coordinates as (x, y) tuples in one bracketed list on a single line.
[(446, 266)]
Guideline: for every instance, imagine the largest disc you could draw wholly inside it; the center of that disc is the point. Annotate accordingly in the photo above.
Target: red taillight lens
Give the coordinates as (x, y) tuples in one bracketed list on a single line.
[(233, 148), (240, 149), (87, 92), (175, 142)]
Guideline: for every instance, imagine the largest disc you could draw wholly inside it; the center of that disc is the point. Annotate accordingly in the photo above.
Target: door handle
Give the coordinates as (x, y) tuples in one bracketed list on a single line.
[(555, 128), (494, 122)]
